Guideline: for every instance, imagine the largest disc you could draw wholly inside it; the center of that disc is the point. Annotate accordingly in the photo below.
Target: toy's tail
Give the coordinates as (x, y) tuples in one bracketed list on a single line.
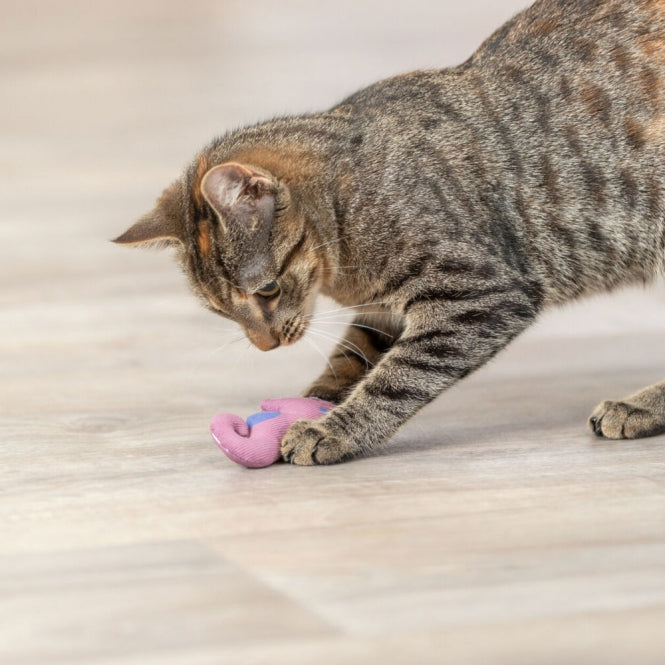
[(231, 434)]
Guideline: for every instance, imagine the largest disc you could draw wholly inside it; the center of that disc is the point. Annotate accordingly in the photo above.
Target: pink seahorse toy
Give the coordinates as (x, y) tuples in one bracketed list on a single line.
[(255, 443)]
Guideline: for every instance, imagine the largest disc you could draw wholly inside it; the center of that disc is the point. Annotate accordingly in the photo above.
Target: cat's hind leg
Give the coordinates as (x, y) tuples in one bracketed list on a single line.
[(635, 417)]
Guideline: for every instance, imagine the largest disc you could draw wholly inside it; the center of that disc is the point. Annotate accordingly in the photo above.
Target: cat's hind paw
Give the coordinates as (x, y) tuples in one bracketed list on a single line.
[(309, 443), (623, 420)]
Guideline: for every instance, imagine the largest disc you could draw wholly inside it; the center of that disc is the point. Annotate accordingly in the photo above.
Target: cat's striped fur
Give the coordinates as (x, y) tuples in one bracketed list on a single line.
[(449, 206)]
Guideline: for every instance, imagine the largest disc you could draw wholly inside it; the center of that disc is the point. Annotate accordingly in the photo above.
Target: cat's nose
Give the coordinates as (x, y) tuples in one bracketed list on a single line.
[(263, 340), (270, 346)]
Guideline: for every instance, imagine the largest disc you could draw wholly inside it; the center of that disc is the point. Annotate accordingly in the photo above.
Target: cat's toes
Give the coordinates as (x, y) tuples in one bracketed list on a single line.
[(308, 443), (622, 420)]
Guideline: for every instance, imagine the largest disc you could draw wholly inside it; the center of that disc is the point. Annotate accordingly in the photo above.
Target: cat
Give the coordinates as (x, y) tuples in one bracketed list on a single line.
[(446, 208)]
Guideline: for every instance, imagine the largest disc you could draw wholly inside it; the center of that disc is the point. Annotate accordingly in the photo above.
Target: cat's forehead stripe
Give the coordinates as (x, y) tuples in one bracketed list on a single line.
[(202, 168), (203, 237)]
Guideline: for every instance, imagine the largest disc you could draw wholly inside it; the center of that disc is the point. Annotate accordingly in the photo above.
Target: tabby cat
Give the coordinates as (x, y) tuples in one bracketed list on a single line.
[(448, 207)]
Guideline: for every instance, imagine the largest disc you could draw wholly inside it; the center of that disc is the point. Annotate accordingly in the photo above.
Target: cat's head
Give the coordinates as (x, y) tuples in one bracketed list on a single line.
[(246, 248)]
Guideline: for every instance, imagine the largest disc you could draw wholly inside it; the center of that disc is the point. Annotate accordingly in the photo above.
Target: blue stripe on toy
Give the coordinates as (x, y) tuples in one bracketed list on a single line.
[(260, 417)]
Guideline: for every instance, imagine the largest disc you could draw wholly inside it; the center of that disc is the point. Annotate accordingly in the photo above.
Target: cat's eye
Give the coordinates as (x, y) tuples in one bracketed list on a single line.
[(270, 290)]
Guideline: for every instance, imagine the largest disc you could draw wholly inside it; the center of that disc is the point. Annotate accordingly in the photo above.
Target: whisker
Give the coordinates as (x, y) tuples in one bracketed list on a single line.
[(332, 338), (325, 319), (349, 346), (340, 238), (353, 307), (344, 343), (355, 325), (323, 355), (221, 353), (238, 337), (327, 316), (340, 268), (339, 273), (329, 242)]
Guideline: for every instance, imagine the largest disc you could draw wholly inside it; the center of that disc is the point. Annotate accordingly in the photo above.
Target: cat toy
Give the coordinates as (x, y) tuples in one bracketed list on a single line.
[(255, 443)]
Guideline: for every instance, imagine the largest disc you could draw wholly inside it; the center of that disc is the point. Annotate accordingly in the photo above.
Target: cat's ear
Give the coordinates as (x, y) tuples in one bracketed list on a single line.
[(162, 225), (237, 193)]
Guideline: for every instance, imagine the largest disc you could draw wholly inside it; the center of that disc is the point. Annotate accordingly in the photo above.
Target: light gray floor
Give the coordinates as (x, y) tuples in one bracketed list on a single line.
[(494, 528)]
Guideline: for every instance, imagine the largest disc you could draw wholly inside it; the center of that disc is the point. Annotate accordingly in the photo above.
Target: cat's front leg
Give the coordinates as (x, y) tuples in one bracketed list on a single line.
[(443, 341), (365, 341)]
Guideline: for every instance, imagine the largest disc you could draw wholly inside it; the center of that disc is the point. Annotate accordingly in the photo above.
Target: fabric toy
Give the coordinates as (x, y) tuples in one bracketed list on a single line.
[(255, 443)]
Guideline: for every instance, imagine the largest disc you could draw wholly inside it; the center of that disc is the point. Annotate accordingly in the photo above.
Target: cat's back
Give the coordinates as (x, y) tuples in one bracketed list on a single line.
[(583, 80), (580, 28), (622, 41), (557, 75), (555, 127)]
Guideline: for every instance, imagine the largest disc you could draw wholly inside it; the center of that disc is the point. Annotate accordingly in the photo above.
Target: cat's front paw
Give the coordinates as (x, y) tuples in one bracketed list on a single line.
[(309, 443)]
